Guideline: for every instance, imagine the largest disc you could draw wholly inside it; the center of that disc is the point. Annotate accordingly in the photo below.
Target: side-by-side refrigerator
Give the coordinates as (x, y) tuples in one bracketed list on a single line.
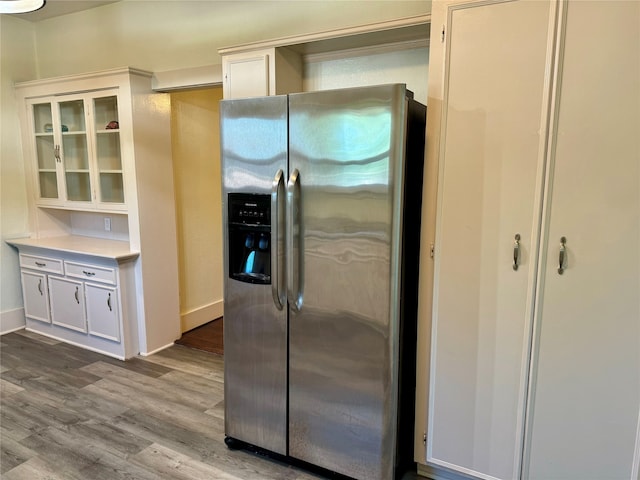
[(321, 195)]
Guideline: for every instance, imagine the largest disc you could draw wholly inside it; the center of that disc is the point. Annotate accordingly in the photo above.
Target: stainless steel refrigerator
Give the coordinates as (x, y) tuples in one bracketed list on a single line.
[(321, 195)]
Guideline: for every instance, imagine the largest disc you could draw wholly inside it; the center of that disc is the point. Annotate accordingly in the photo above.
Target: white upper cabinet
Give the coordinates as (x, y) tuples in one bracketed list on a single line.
[(261, 72), (75, 150)]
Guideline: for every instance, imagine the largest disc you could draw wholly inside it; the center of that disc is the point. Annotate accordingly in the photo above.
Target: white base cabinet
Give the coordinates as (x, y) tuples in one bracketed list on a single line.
[(67, 303), (102, 311), (534, 366), (88, 300), (35, 287)]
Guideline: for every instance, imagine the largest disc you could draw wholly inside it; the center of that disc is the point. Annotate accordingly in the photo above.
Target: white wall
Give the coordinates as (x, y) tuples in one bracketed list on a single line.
[(195, 146), (169, 35), (17, 62)]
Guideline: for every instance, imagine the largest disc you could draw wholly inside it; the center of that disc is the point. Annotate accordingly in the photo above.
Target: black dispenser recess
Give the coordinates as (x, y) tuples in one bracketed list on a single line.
[(249, 223)]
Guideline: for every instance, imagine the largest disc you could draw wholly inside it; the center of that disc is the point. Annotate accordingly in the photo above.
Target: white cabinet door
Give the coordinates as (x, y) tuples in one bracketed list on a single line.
[(585, 397), (45, 134), (246, 75), (36, 296), (491, 156), (67, 303), (102, 311)]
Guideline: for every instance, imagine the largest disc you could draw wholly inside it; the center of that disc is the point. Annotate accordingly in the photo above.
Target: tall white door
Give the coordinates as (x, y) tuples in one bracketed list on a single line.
[(490, 182), (585, 394)]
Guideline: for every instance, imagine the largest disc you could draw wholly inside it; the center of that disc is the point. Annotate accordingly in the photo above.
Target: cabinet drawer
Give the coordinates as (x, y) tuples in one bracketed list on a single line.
[(92, 272), (45, 264)]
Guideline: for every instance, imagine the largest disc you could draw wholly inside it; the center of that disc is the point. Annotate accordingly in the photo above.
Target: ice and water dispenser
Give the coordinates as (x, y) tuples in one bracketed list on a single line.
[(249, 223)]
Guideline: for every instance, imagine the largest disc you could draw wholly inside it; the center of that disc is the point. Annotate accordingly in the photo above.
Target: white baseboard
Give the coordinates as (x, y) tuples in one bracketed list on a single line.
[(146, 354), (435, 473), (200, 316), (12, 320)]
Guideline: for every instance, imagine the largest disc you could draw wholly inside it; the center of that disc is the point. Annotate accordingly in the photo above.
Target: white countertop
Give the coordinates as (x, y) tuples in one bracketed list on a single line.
[(98, 247)]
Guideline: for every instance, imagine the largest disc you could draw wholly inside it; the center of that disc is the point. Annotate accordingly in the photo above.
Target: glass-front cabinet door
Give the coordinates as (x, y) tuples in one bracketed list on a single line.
[(46, 151), (109, 162), (77, 151)]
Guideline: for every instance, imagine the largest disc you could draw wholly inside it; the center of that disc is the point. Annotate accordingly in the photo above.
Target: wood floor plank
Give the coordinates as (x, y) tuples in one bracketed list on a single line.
[(168, 463), (9, 388), (191, 361), (34, 469), (37, 337), (217, 410), (158, 388), (166, 410), (77, 456), (195, 384), (12, 454)]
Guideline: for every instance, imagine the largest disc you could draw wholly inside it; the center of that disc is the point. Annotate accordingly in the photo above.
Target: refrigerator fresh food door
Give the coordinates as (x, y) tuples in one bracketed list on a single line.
[(344, 205), (254, 149)]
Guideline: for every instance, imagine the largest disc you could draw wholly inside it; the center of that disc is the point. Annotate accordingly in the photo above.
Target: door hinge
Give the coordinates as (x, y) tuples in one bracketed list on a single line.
[(432, 250), (424, 438), (442, 34)]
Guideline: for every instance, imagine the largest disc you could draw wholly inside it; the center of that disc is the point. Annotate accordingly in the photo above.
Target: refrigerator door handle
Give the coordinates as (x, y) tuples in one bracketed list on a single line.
[(277, 231), (294, 250)]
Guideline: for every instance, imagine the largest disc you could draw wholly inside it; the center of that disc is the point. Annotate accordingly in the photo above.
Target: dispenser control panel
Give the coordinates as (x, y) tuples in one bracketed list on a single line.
[(249, 209)]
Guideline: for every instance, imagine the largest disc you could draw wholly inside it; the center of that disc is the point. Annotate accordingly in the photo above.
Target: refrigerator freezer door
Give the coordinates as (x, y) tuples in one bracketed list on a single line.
[(347, 146), (254, 149)]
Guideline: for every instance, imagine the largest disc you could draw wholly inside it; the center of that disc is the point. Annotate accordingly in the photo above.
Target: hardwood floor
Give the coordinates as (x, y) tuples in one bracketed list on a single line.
[(208, 337), (67, 414), (71, 414)]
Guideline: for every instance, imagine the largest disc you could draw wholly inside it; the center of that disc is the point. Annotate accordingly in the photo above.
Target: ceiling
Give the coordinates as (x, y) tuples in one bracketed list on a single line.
[(56, 8)]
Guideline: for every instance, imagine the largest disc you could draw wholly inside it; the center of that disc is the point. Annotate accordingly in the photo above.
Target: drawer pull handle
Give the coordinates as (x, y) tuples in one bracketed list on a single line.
[(40, 264), (109, 302), (516, 251), (40, 286), (88, 274), (76, 295)]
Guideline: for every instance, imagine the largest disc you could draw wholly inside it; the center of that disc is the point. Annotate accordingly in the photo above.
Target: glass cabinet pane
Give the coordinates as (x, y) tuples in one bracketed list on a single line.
[(48, 184), (42, 118), (106, 113), (72, 116), (111, 188), (45, 150), (108, 157), (78, 186), (75, 153), (108, 145)]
